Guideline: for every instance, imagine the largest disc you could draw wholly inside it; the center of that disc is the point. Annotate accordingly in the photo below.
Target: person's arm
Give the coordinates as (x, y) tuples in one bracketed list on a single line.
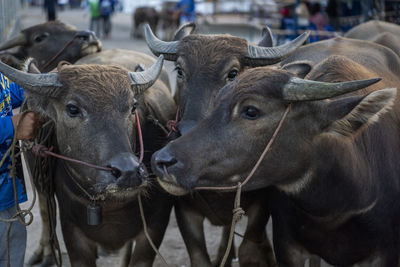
[(6, 129), (17, 95)]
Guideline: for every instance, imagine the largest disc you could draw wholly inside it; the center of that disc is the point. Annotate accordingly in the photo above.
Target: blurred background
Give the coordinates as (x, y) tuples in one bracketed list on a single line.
[(286, 18)]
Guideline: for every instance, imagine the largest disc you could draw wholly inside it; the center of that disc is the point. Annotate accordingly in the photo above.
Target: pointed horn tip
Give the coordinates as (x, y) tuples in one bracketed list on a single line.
[(304, 36), (368, 82), (375, 80)]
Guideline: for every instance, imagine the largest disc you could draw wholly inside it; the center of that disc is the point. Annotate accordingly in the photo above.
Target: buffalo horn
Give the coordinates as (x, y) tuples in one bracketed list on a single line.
[(261, 56), (158, 47), (43, 84), (144, 79), (16, 41), (297, 89)]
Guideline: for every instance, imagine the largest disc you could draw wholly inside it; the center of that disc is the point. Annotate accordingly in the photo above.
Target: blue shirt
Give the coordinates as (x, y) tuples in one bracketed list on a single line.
[(11, 96)]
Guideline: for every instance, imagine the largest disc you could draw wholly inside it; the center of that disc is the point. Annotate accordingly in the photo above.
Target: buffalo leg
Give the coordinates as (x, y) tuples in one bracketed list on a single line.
[(223, 246), (190, 224), (82, 252), (143, 254), (315, 261), (256, 249), (43, 254), (125, 254)]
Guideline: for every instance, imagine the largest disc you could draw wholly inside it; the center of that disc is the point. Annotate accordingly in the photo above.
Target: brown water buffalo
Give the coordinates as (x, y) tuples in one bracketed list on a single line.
[(332, 174), (204, 64), (92, 109), (144, 15), (49, 43), (380, 32)]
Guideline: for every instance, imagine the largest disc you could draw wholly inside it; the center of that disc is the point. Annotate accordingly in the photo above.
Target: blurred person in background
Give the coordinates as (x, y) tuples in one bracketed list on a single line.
[(50, 7), (186, 10), (317, 17), (106, 8), (62, 4), (94, 11)]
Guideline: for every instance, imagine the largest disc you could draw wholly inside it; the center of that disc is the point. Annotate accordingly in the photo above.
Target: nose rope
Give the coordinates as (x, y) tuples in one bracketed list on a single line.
[(173, 124), (43, 151), (59, 52), (140, 137), (146, 233)]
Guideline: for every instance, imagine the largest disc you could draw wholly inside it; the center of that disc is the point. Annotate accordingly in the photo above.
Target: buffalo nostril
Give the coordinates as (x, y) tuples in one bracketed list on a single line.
[(116, 172), (162, 165)]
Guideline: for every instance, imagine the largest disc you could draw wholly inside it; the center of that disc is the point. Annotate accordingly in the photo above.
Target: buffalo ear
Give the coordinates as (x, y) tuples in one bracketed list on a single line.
[(61, 65), (267, 39), (299, 68), (184, 30), (349, 115)]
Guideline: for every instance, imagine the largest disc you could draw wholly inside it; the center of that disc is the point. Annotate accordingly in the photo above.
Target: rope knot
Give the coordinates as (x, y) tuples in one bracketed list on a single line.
[(172, 126), (237, 213), (40, 150)]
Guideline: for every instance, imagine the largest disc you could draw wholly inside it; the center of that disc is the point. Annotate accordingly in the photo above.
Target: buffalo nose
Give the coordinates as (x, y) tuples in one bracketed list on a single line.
[(161, 160), (87, 36), (127, 170)]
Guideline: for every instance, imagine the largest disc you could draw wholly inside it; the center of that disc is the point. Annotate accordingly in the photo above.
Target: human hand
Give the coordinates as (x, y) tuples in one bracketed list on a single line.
[(28, 125)]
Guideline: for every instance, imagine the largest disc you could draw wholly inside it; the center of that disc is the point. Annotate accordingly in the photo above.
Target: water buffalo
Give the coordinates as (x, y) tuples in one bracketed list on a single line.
[(345, 59), (333, 173), (204, 64), (49, 43), (92, 109), (380, 32), (144, 15)]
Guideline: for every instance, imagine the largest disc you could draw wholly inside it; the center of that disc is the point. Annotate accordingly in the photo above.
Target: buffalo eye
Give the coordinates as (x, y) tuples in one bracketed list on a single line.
[(232, 74), (41, 37), (179, 72), (72, 110), (250, 113)]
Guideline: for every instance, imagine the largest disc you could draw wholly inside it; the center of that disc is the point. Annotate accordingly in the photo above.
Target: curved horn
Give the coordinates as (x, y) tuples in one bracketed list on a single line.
[(261, 56), (158, 47), (20, 39), (144, 79), (297, 89), (43, 84)]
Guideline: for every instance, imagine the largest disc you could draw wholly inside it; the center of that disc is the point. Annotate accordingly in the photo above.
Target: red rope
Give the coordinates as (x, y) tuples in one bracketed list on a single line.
[(172, 125), (140, 137), (43, 151)]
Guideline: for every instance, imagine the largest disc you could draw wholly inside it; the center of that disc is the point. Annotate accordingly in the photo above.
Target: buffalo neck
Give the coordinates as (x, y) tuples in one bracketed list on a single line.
[(349, 177)]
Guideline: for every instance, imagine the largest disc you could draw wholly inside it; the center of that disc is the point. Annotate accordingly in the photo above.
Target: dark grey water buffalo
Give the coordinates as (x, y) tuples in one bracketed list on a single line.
[(144, 15), (204, 64), (380, 32), (92, 109), (333, 173), (49, 43)]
